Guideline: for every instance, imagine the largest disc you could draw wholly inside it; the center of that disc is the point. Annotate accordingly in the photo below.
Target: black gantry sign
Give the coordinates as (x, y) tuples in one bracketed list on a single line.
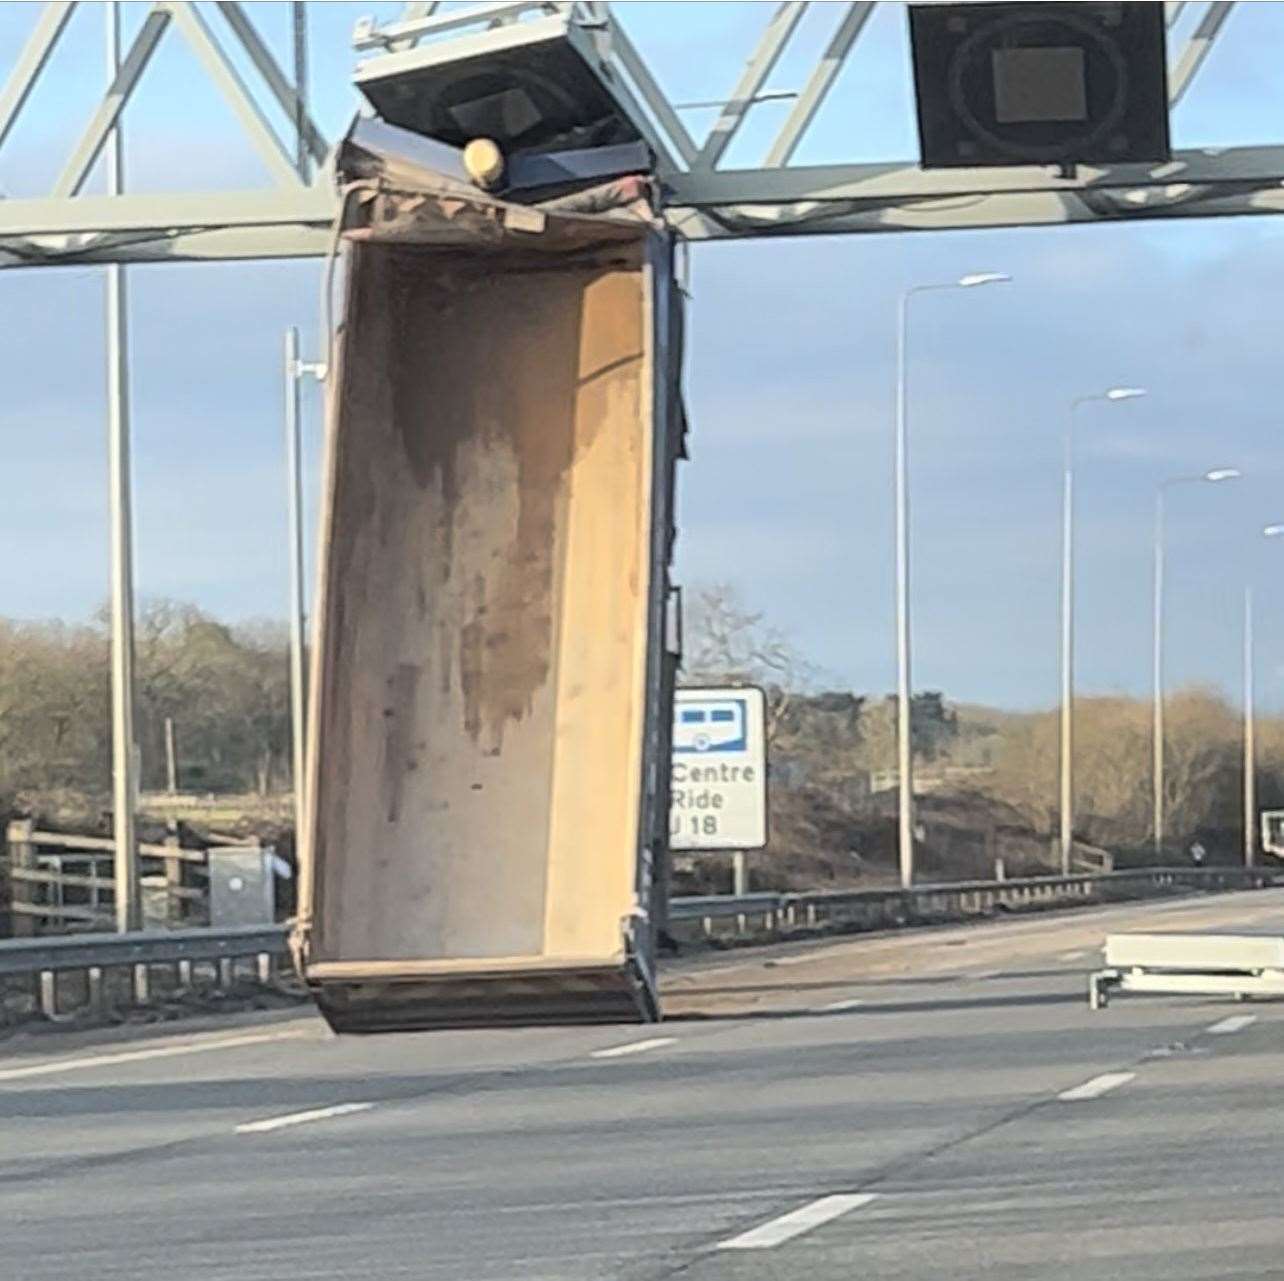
[(1041, 84)]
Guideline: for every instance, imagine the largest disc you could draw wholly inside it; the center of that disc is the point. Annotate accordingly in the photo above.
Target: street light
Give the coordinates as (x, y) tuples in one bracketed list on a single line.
[(1250, 720), (1250, 752), (1067, 617), (1213, 476), (904, 748), (295, 370)]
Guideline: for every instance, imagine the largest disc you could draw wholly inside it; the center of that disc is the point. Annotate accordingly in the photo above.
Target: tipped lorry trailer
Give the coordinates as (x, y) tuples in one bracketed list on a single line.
[(492, 676)]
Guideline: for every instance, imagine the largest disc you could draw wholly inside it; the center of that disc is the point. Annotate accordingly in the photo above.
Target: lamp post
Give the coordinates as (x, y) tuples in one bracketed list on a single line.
[(124, 747), (295, 370), (1067, 617), (1250, 749), (1214, 476), (904, 742), (1250, 721)]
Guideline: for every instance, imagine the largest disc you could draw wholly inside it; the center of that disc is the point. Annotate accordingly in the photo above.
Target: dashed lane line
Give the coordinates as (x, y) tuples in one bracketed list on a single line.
[(806, 1217), (86, 1062), (633, 1047), (1096, 1087), (301, 1118), (1235, 1023)]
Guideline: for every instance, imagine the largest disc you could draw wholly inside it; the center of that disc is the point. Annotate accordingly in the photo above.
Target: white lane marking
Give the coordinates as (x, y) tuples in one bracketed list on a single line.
[(697, 973), (1072, 956), (301, 1118), (796, 1222), (1235, 1023), (633, 1047), (834, 1006), (153, 1052), (1098, 1086)]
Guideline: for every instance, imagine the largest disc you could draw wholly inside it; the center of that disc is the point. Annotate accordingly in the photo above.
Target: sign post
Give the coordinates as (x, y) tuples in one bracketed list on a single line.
[(718, 798), (739, 874)]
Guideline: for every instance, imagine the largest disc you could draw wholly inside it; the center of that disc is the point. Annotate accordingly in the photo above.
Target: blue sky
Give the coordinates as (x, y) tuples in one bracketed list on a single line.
[(790, 382)]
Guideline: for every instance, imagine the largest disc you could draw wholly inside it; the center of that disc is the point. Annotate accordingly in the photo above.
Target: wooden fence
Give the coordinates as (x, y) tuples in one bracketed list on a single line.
[(60, 884)]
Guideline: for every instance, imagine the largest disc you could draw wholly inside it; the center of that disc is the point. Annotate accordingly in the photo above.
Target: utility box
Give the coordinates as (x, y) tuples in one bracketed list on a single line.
[(243, 885)]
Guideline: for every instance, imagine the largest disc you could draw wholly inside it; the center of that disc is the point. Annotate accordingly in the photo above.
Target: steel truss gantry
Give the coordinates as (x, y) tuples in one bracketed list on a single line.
[(703, 199)]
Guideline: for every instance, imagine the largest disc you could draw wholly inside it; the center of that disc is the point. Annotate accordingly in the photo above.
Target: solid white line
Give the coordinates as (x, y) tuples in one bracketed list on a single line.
[(834, 1006), (301, 1118), (796, 1222), (1098, 1086), (153, 1052), (1235, 1023), (633, 1047)]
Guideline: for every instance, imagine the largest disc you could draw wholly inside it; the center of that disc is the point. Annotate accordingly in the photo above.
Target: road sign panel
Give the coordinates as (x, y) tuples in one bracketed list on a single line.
[(1273, 831), (719, 790)]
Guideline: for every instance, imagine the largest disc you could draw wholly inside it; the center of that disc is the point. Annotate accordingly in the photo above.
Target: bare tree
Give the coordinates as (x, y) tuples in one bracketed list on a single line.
[(727, 643), (1113, 766)]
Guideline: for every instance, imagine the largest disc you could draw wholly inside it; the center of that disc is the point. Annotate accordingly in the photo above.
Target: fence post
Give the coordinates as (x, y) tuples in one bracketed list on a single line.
[(171, 758), (94, 988), (22, 854), (173, 877), (48, 994)]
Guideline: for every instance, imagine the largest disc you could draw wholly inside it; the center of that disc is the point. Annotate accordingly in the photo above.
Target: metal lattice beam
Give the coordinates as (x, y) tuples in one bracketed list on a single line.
[(1197, 49), (819, 84), (277, 82), (31, 62), (187, 18), (703, 200), (653, 96), (420, 20), (103, 121), (260, 224), (783, 24), (291, 220)]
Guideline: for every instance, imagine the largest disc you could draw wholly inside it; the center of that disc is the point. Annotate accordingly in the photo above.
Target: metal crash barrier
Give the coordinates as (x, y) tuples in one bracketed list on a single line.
[(1236, 965), (763, 916), (93, 955), (71, 971)]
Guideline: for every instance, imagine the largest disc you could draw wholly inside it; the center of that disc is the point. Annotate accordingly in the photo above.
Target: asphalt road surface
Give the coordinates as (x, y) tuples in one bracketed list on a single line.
[(937, 1104)]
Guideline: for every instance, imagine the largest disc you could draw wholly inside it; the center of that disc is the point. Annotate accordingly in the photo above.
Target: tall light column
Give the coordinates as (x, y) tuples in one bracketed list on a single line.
[(295, 369), (1250, 735), (904, 739), (1250, 720), (124, 766), (1214, 476), (1066, 842)]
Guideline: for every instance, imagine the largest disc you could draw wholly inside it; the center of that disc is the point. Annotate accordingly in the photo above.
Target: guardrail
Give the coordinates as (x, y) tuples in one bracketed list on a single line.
[(753, 916), (749, 918), (94, 955)]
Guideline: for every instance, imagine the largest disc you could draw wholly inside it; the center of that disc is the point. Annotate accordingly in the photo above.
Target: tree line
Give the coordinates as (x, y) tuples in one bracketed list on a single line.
[(224, 688), (841, 744)]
